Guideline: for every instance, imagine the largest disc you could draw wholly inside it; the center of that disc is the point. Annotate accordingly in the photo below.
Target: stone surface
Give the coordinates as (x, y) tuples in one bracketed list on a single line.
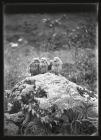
[(47, 96), (58, 89)]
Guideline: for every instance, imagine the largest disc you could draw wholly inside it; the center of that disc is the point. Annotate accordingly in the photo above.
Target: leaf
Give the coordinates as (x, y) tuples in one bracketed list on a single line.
[(33, 112)]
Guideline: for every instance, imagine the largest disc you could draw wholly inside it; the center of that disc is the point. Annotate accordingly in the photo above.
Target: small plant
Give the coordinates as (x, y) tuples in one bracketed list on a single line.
[(41, 93), (77, 123), (74, 119)]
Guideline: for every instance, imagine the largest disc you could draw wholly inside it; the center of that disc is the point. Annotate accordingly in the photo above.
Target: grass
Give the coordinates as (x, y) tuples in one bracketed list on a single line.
[(74, 41)]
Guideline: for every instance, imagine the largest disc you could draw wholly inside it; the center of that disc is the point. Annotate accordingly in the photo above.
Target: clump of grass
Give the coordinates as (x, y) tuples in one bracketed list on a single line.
[(83, 71)]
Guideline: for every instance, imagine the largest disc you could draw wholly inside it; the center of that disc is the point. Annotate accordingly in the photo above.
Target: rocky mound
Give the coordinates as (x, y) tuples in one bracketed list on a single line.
[(53, 100)]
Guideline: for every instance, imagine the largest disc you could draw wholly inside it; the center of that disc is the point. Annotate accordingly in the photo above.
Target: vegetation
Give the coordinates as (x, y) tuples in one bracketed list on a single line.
[(26, 113), (71, 37)]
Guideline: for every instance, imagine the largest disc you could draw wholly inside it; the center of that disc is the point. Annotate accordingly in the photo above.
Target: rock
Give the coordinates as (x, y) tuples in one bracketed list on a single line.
[(59, 91), (10, 129), (95, 134), (47, 95), (16, 117)]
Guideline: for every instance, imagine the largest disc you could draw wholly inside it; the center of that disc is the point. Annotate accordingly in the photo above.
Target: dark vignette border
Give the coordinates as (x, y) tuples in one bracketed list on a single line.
[(23, 7), (49, 8)]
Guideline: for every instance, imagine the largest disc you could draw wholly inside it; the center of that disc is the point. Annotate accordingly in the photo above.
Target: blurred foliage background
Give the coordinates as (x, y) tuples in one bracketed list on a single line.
[(72, 37)]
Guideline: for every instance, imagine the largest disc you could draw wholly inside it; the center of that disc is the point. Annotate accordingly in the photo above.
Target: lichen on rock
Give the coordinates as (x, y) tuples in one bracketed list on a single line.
[(47, 96)]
